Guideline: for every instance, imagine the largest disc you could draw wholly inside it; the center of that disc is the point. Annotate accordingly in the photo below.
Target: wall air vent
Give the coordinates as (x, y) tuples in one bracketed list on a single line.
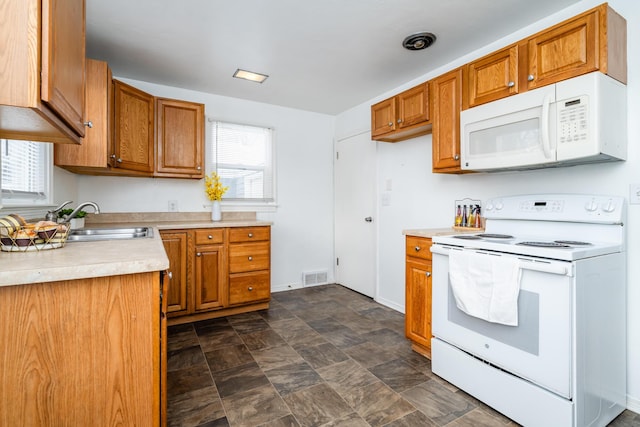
[(313, 278)]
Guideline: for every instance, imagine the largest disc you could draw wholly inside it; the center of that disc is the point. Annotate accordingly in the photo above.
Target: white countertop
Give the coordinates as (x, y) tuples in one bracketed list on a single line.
[(82, 260)]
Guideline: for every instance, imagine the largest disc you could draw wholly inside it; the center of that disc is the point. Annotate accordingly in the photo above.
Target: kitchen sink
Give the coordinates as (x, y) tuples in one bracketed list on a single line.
[(97, 234)]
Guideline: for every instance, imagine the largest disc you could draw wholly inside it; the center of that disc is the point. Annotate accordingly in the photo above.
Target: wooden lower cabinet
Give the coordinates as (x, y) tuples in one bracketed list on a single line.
[(220, 271), (84, 352), (418, 294)]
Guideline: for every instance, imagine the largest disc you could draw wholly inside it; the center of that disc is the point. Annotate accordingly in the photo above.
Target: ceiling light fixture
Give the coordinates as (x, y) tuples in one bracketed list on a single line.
[(250, 75), (419, 41)]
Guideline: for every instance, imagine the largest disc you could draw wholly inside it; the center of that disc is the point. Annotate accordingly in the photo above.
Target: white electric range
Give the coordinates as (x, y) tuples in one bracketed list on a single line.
[(563, 362)]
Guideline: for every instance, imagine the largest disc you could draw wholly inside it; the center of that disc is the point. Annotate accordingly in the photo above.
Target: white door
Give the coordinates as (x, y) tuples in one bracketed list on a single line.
[(355, 203)]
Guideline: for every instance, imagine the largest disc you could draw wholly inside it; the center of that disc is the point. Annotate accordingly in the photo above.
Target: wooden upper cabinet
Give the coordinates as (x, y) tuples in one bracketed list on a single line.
[(63, 60), (404, 116), (413, 106), (383, 117), (493, 77), (42, 70), (446, 93), (179, 138), (97, 144), (133, 128), (594, 40)]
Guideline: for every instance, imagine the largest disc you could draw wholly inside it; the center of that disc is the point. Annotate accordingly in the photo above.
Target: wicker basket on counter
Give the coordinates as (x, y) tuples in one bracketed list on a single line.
[(17, 235)]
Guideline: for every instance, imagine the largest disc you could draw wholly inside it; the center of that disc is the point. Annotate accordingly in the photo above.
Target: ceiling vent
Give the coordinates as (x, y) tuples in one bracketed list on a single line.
[(419, 41)]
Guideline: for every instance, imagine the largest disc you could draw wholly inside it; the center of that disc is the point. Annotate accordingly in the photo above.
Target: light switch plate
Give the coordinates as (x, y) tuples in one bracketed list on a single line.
[(634, 194)]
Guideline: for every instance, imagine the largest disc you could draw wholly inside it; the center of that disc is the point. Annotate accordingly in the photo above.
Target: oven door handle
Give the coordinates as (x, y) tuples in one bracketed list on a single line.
[(558, 269), (543, 267)]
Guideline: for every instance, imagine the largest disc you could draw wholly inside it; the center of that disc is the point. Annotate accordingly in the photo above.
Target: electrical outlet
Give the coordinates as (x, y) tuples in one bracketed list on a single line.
[(173, 206), (634, 194)]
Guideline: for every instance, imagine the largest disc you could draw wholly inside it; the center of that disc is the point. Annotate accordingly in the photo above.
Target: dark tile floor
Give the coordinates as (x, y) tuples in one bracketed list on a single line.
[(321, 356)]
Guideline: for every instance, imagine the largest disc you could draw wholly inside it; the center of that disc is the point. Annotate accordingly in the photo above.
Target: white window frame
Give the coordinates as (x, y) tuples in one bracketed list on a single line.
[(29, 206), (211, 166)]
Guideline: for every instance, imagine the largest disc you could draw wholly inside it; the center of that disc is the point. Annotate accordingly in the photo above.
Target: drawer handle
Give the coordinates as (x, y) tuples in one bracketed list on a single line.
[(210, 236), (250, 235), (417, 248), (250, 258), (250, 288), (428, 274)]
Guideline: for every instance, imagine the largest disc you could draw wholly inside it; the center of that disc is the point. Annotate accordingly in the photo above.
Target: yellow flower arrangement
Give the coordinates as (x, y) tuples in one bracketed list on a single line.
[(213, 187)]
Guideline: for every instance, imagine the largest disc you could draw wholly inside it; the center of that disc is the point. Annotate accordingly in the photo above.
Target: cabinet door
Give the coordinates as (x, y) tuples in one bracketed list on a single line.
[(175, 245), (96, 144), (564, 51), (180, 138), (446, 91), (63, 60), (493, 77), (383, 117), (133, 128), (413, 106), (210, 284), (418, 303)]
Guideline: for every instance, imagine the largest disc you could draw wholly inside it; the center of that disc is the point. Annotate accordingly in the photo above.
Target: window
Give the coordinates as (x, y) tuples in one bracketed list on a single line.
[(26, 172), (243, 157)]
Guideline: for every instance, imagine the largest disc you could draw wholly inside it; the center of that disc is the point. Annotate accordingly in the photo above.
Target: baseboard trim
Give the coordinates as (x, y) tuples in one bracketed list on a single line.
[(633, 404), (390, 304)]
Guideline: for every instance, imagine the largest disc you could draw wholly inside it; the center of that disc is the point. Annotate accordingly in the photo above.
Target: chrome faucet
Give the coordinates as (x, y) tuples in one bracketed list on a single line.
[(73, 214), (52, 215)]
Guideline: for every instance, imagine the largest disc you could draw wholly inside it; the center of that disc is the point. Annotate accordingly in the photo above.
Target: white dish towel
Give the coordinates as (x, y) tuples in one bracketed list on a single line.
[(486, 286)]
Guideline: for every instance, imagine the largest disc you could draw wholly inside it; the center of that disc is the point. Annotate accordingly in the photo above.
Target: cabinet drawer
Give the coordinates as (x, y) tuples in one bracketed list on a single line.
[(418, 247), (248, 257), (205, 237), (249, 287), (248, 234)]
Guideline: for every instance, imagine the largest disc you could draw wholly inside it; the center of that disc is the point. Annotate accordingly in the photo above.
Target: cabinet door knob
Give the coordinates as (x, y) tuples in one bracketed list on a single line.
[(511, 84), (250, 258), (199, 168), (250, 235), (417, 248), (250, 288), (530, 77), (399, 120), (199, 254), (210, 236), (390, 124), (119, 160), (456, 157), (88, 124), (428, 274), (170, 275)]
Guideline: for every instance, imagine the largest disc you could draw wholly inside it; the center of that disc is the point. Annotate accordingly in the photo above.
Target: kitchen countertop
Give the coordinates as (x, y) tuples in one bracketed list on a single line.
[(83, 260), (430, 232)]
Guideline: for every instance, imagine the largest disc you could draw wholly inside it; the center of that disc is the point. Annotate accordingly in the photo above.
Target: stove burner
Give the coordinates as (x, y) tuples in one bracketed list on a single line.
[(495, 236), (544, 244), (467, 237), (573, 243)]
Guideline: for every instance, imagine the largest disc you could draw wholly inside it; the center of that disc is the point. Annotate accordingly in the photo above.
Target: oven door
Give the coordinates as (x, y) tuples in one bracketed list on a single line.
[(539, 348)]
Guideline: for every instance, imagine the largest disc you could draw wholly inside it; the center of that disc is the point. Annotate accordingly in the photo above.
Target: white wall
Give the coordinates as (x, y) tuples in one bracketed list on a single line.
[(421, 199), (302, 232)]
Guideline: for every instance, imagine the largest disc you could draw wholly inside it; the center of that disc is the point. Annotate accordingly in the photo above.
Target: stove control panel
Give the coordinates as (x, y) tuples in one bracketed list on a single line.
[(558, 207)]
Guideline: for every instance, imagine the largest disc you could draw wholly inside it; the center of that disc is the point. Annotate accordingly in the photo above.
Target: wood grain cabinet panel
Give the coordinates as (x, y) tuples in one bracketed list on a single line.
[(595, 40), (133, 128), (403, 116), (493, 77), (42, 70), (82, 352), (446, 93), (179, 138), (175, 245), (418, 275)]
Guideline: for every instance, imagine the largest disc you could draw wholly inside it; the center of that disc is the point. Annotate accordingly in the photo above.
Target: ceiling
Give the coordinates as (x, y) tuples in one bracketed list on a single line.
[(324, 56)]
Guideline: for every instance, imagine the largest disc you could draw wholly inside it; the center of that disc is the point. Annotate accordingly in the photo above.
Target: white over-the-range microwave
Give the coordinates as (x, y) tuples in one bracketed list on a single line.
[(576, 121)]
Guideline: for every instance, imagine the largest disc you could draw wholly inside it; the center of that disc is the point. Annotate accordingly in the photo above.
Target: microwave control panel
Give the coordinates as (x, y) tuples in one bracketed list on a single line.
[(572, 120)]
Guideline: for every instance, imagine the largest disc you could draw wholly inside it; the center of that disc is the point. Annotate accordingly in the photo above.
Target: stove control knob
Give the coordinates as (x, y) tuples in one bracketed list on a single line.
[(489, 207), (499, 206), (609, 207), (591, 206)]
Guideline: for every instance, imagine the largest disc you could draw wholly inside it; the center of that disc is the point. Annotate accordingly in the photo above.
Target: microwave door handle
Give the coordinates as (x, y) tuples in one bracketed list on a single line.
[(546, 146)]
